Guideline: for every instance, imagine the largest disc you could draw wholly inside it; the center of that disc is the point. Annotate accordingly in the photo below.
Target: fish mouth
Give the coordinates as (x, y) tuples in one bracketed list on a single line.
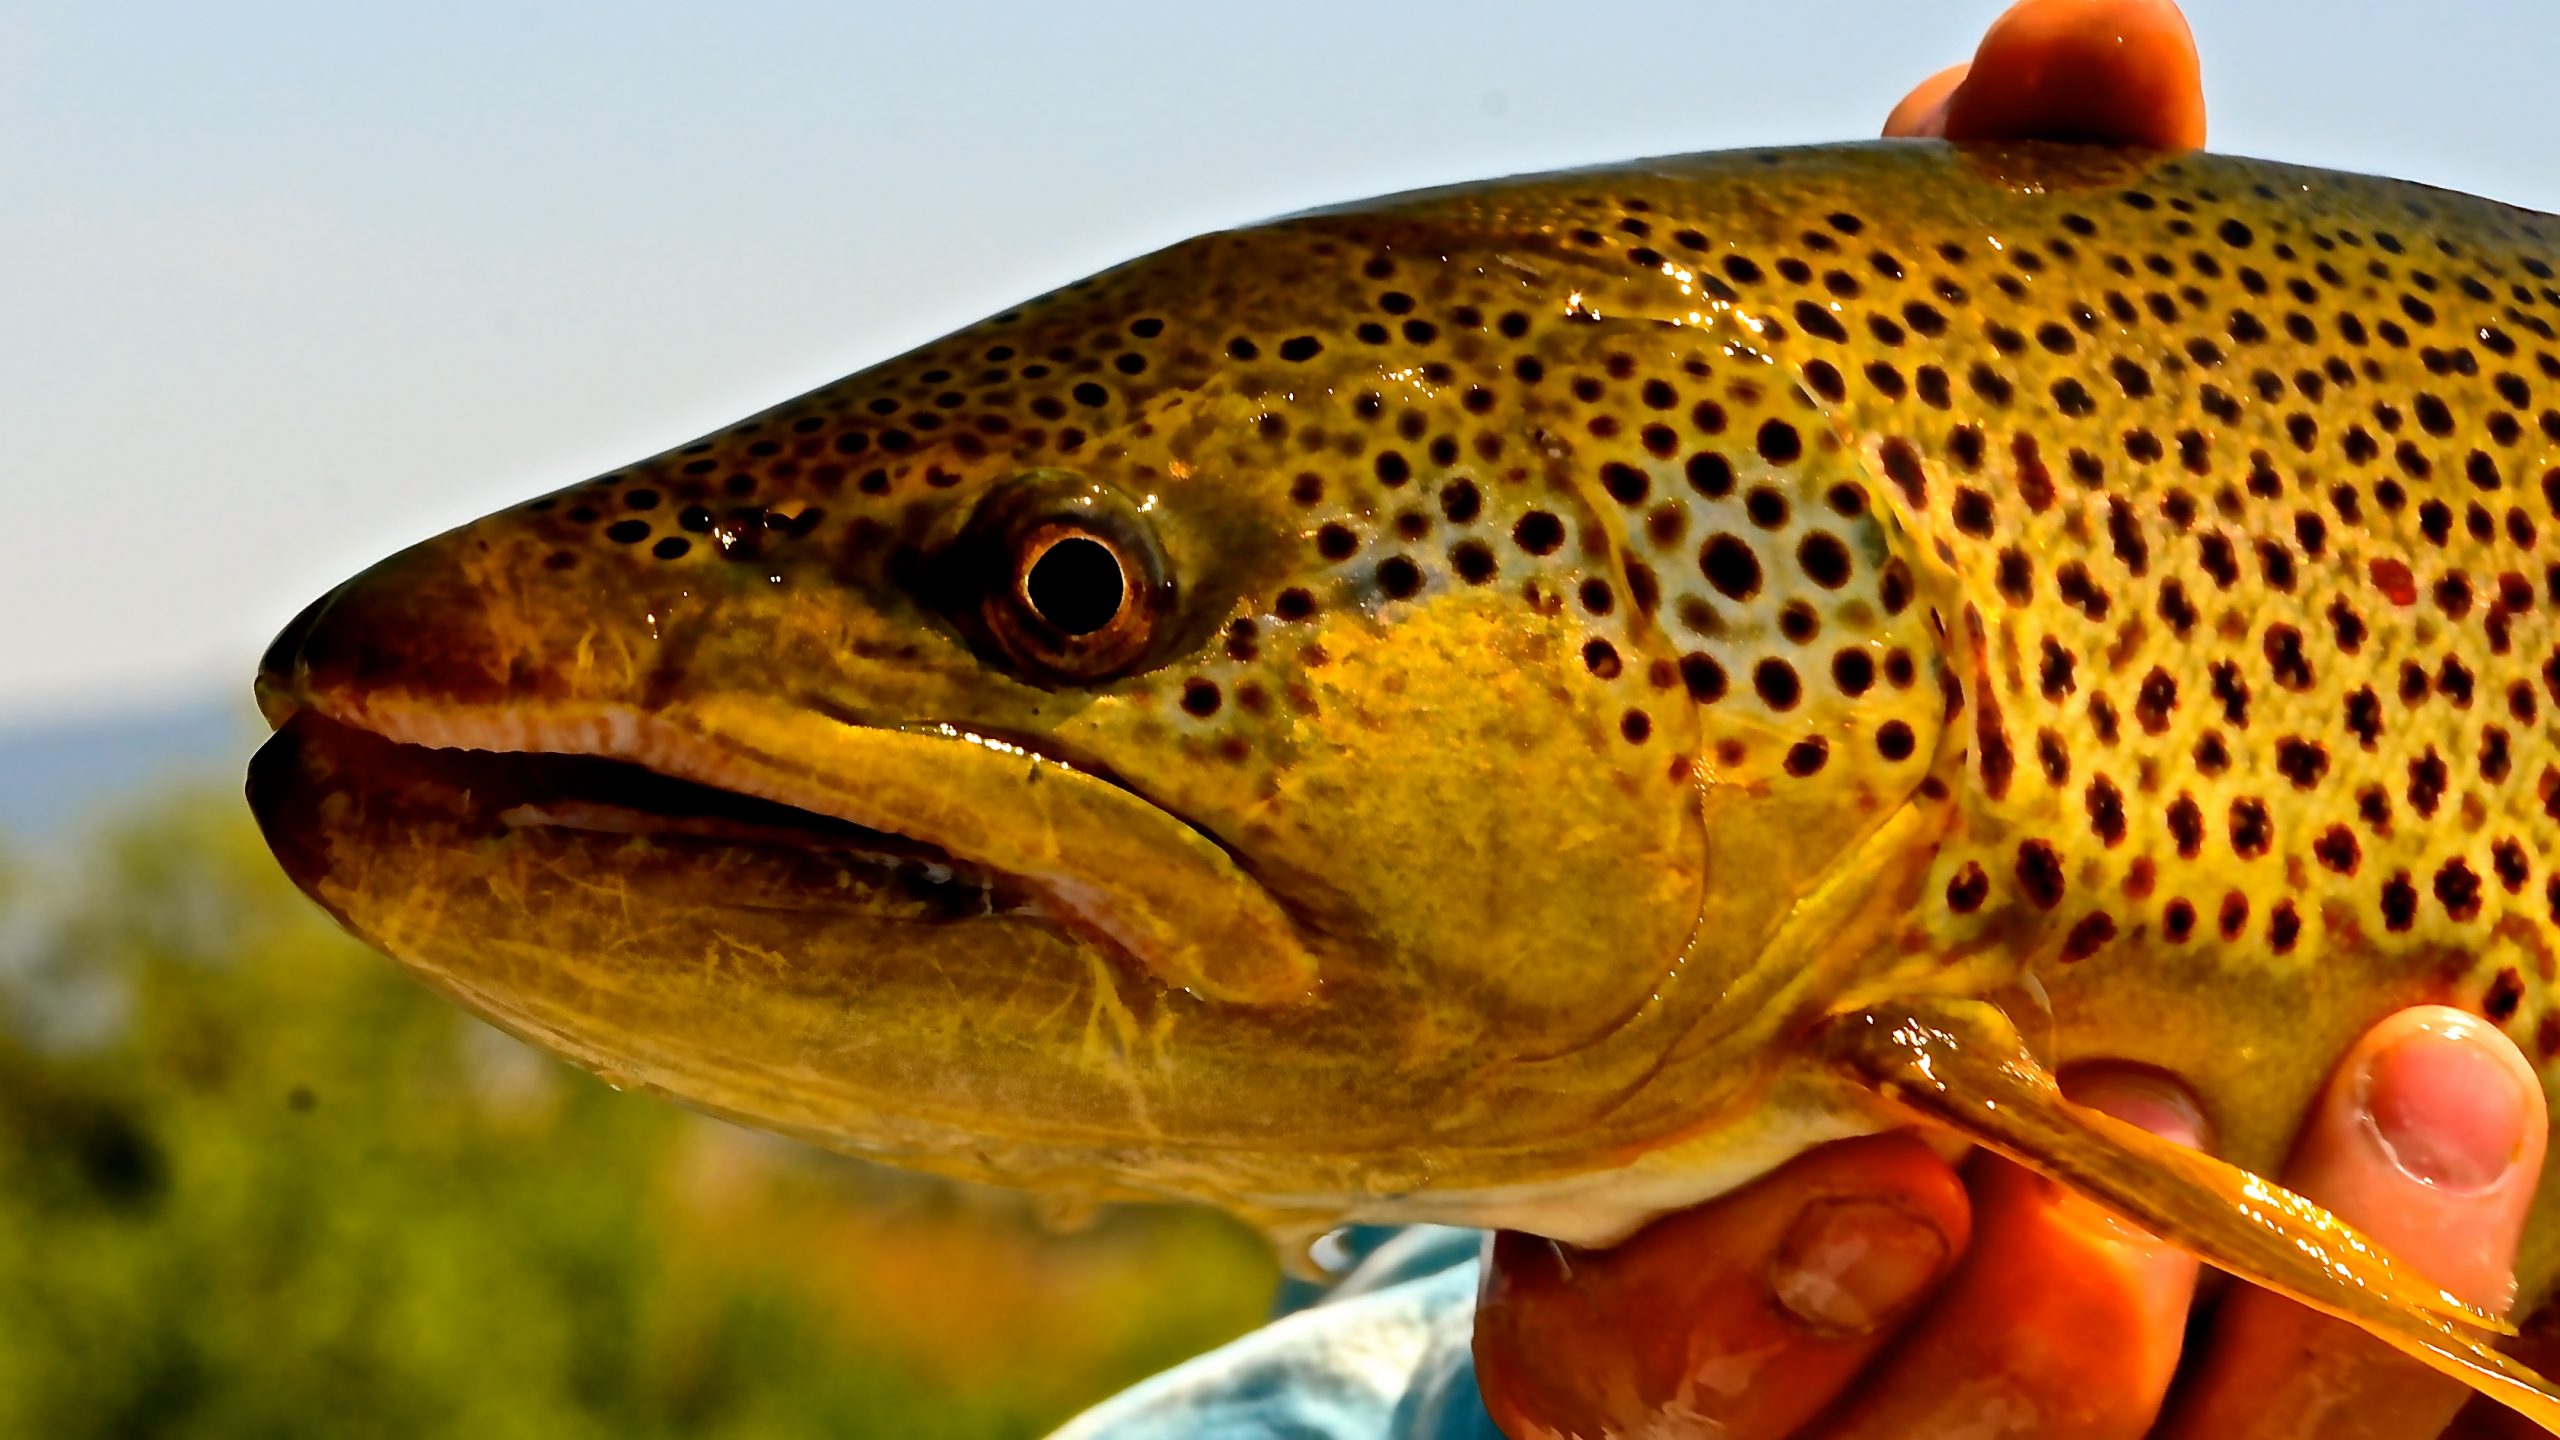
[(494, 791), (982, 823), (850, 984)]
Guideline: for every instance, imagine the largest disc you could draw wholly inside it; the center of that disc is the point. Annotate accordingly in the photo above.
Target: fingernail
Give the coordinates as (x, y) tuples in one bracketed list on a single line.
[(2155, 1103), (2445, 1109), (2137, 1097), (1850, 1264)]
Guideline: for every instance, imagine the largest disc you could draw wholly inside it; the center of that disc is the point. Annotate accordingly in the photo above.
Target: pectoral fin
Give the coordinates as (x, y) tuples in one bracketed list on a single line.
[(1961, 1063)]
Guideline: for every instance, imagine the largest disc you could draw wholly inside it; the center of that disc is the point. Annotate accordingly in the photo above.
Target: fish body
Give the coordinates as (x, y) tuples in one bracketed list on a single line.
[(1421, 710)]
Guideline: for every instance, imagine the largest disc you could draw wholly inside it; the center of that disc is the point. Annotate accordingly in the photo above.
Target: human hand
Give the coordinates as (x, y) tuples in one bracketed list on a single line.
[(1870, 1290)]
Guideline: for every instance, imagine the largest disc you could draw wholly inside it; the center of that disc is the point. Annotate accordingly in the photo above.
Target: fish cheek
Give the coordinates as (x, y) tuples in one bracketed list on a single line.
[(1457, 805)]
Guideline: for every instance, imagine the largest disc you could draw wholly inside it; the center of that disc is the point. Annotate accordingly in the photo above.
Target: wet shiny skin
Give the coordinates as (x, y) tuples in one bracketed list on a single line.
[(1597, 626)]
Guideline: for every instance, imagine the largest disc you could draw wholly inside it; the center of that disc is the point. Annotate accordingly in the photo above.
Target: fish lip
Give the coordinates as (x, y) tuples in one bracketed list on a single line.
[(615, 735), (1099, 859), (606, 732), (513, 791)]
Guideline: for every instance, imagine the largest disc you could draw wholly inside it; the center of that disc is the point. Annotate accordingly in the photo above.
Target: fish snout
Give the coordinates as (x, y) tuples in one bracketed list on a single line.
[(283, 659), (471, 622)]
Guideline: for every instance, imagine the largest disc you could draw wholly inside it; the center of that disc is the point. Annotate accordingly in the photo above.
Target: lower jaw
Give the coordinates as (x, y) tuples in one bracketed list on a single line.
[(779, 968), (838, 984)]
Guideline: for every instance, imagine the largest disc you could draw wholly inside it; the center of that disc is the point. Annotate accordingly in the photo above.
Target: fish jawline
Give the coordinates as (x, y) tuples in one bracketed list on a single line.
[(1105, 862), (518, 790)]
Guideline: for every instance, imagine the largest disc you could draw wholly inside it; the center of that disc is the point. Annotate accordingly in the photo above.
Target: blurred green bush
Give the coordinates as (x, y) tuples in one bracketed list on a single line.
[(254, 1181)]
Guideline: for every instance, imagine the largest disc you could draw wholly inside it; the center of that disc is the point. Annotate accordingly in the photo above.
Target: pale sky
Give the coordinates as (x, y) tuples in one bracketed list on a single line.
[(284, 287)]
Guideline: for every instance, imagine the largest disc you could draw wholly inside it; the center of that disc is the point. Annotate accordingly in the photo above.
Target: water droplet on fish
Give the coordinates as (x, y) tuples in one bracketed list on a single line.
[(1331, 1253), (1296, 1239)]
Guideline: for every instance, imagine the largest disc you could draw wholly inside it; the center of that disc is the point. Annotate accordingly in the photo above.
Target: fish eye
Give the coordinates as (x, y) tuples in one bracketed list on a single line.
[(1073, 582), (1066, 579)]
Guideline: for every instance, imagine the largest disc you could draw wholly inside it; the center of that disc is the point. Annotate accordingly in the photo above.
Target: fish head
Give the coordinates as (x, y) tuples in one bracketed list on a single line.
[(1256, 725)]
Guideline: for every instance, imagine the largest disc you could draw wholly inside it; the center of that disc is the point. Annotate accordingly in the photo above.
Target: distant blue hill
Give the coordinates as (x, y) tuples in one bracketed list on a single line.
[(57, 775)]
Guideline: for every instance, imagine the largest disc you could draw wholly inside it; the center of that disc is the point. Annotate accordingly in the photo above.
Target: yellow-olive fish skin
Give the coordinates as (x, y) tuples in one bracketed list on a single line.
[(1421, 709)]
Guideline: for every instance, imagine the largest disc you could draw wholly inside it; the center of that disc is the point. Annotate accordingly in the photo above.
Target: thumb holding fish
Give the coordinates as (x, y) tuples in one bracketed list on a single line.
[(2429, 1137)]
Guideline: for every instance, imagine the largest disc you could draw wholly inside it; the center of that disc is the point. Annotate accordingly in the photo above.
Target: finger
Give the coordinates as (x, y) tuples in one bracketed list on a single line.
[(2430, 1137), (2119, 72), (2063, 1323), (1922, 115), (1744, 1317)]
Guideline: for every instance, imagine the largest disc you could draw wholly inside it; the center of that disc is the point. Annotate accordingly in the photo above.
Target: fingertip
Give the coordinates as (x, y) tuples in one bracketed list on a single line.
[(1922, 115), (1793, 1282), (1850, 1264), (2120, 72), (2143, 1097), (2155, 1277), (2067, 1319), (2430, 1137), (2153, 1101), (2451, 1101)]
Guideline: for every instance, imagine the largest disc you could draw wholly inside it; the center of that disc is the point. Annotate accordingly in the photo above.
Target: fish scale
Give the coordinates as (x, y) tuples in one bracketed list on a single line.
[(1572, 639)]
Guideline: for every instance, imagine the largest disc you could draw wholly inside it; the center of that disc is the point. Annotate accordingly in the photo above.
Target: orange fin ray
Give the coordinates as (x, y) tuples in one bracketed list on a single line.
[(1961, 1063)]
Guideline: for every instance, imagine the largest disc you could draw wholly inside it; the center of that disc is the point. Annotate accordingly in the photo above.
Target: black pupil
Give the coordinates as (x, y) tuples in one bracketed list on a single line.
[(1075, 586)]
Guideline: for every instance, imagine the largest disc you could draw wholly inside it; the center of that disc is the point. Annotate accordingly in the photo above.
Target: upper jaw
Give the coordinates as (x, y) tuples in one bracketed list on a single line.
[(480, 791)]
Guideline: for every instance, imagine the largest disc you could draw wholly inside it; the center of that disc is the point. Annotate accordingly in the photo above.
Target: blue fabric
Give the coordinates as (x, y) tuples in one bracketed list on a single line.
[(1381, 1355)]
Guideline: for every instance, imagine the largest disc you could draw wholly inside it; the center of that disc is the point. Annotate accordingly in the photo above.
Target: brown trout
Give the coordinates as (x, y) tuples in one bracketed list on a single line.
[(1529, 704)]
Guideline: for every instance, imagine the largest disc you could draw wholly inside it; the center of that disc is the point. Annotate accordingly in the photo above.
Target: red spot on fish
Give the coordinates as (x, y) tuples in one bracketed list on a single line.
[(2394, 580)]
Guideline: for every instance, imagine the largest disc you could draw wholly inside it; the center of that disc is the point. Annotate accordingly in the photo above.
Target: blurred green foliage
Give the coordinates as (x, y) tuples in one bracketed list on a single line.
[(253, 1181)]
